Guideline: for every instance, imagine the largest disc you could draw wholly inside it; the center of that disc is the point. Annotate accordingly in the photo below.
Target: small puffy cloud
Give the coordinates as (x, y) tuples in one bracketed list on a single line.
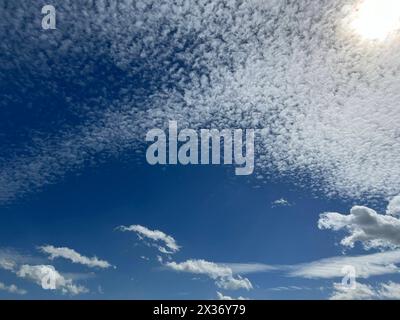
[(360, 292), (49, 279), (384, 291), (281, 203), (232, 283), (12, 289), (393, 207), (6, 263), (364, 225), (75, 257), (224, 297), (221, 274), (168, 246)]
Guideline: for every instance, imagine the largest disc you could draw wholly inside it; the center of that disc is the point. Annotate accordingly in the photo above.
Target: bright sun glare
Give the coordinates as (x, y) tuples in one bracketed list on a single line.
[(376, 19)]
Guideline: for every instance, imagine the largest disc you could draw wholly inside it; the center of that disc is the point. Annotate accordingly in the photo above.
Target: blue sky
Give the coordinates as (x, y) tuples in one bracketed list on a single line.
[(77, 101), (211, 214)]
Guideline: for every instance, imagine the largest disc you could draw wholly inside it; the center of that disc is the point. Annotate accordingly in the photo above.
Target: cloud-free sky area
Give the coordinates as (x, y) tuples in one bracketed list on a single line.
[(318, 81)]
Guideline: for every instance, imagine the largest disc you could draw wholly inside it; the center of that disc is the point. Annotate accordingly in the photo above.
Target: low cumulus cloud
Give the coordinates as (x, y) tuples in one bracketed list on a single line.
[(366, 226), (75, 257), (282, 202), (222, 275), (393, 207), (50, 279), (46, 276), (383, 291), (168, 244), (12, 289), (221, 296)]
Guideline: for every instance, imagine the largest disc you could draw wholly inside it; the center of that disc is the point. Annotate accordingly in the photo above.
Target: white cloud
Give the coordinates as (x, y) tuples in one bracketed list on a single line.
[(281, 203), (221, 274), (6, 263), (360, 292), (327, 100), (169, 244), (390, 290), (243, 268), (249, 268), (224, 297), (366, 266), (46, 276), (11, 259), (49, 279), (364, 225), (75, 257), (12, 289), (394, 206), (232, 283), (383, 291), (289, 288)]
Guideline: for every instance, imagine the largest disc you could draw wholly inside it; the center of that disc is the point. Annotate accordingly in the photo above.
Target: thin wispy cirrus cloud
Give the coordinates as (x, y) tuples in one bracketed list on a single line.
[(73, 256), (168, 244), (289, 288), (366, 266), (369, 265), (324, 100)]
